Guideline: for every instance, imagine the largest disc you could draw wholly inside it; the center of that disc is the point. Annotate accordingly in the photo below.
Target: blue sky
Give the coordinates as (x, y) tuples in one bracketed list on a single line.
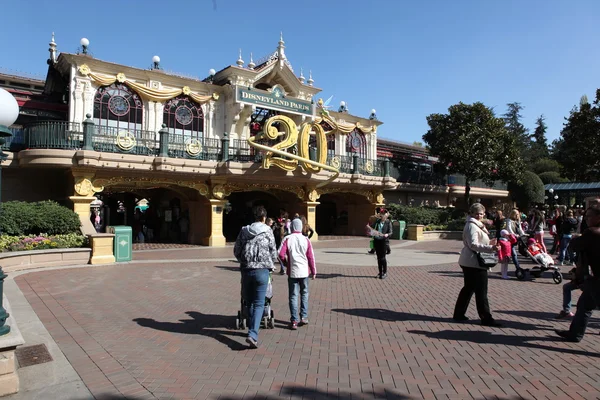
[(405, 59)]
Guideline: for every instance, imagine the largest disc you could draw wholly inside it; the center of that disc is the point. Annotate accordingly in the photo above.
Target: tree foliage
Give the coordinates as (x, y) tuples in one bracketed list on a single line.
[(470, 140), (528, 191), (512, 119), (545, 165), (551, 177), (578, 148), (538, 142)]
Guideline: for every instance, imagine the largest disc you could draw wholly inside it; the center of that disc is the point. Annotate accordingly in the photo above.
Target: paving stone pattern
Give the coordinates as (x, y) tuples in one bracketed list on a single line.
[(165, 331)]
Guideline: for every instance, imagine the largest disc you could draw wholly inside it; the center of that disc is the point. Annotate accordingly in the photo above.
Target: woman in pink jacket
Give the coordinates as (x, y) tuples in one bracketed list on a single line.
[(296, 251)]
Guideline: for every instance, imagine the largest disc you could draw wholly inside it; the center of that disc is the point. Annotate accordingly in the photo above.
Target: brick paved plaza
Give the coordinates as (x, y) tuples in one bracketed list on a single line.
[(163, 329)]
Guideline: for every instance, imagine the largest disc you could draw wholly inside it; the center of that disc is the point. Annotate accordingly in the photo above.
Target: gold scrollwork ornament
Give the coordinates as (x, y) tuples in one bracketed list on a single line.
[(193, 147), (369, 167), (125, 140), (84, 70), (121, 77), (220, 192), (84, 187), (336, 162), (313, 195), (186, 90)]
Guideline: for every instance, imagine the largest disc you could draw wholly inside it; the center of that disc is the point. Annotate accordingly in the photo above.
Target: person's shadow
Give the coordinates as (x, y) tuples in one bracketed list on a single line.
[(200, 324), (486, 337), (396, 316)]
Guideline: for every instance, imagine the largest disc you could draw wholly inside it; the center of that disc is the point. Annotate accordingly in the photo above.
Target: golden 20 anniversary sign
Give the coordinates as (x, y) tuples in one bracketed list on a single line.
[(278, 155)]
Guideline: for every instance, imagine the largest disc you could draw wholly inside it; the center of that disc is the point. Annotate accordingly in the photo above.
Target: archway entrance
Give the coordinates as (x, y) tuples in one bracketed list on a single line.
[(155, 214), (343, 214), (238, 211)]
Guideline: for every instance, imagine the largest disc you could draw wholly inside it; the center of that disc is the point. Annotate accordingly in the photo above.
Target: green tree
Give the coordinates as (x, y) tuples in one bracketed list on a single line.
[(578, 148), (529, 190), (545, 165), (551, 177), (470, 140), (512, 119), (539, 144)]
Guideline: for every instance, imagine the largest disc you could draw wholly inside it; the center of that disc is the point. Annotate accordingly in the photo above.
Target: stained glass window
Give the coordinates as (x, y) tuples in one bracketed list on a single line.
[(184, 116), (118, 106)]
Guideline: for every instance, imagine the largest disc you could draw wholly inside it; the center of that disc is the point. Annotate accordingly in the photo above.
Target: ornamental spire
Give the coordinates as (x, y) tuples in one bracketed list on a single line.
[(52, 50), (281, 47), (240, 61)]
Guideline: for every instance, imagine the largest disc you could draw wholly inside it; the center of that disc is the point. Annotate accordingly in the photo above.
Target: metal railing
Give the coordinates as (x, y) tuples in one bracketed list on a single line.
[(112, 139), (460, 180), (241, 151), (53, 135), (181, 146)]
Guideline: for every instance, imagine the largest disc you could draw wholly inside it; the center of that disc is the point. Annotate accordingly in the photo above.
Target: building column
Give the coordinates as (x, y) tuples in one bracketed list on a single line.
[(216, 237), (310, 210)]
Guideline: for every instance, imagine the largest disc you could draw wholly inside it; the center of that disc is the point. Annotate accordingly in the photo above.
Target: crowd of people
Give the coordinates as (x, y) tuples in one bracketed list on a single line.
[(286, 241), (576, 237)]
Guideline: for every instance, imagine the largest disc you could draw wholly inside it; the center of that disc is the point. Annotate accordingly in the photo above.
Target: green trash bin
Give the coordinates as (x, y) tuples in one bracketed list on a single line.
[(122, 242), (398, 228)]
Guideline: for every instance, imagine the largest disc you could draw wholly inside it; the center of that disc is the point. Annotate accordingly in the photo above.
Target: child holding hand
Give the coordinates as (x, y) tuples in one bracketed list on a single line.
[(505, 242)]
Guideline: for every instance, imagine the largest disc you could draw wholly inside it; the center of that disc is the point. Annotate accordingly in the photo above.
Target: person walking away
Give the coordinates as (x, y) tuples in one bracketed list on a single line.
[(384, 228), (505, 251), (279, 232), (475, 240), (297, 252), (307, 230), (255, 250), (537, 227), (568, 229), (513, 226), (559, 217), (587, 246), (499, 223)]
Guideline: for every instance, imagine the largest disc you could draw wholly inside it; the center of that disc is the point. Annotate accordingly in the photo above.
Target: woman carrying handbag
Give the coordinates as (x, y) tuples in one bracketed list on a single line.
[(475, 265)]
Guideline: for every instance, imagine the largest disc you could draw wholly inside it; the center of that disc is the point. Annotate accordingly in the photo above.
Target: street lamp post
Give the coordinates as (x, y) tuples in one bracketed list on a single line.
[(9, 111)]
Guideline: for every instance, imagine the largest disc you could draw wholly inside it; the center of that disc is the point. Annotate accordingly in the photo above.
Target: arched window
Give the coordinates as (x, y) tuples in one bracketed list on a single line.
[(118, 106), (356, 143), (184, 116)]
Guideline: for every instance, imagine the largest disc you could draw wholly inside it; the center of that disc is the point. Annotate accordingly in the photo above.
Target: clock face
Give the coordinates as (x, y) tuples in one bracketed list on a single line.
[(118, 105), (356, 142), (183, 115)]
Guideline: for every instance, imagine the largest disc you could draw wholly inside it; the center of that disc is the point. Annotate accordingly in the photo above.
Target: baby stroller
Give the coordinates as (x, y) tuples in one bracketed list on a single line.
[(268, 319), (543, 262)]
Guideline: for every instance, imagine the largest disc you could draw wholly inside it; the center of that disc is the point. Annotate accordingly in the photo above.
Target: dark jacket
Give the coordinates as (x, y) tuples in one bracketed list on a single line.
[(387, 228), (569, 226), (587, 247)]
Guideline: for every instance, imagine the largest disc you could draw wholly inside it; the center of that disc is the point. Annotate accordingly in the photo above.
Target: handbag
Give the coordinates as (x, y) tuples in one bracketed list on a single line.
[(487, 260)]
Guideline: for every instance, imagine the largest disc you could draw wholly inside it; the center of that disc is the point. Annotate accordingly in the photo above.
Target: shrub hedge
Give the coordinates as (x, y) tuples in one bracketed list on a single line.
[(19, 218), (433, 218)]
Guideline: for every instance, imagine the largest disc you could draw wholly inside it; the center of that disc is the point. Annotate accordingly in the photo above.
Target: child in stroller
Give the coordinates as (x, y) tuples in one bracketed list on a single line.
[(543, 261)]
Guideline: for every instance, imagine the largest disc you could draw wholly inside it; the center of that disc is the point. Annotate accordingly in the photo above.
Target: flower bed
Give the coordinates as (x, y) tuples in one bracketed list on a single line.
[(41, 242)]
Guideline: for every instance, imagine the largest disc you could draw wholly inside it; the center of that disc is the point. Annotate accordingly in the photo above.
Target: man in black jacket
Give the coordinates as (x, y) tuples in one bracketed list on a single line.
[(382, 229), (388, 250)]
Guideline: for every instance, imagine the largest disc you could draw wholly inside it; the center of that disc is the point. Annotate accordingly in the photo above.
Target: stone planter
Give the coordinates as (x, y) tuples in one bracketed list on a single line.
[(415, 232), (435, 235), (19, 260)]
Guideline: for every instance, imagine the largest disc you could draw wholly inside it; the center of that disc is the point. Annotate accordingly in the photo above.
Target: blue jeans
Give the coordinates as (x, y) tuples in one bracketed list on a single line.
[(255, 283), (293, 285), (564, 244), (515, 257), (567, 289)]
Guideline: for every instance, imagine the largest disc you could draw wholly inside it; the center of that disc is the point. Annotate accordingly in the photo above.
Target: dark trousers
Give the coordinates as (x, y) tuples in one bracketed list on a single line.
[(380, 247), (476, 281), (588, 302)]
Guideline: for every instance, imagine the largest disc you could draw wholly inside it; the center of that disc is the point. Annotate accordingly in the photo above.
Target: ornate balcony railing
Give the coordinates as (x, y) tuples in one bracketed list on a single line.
[(52, 135), (181, 146), (460, 180), (241, 151), (111, 139)]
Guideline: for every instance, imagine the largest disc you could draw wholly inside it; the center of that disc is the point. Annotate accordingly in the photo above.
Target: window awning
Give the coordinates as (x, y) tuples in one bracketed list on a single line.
[(572, 186)]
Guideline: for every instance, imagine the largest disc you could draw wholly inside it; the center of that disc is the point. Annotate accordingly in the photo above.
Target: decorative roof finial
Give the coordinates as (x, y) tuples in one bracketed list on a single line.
[(301, 77), (251, 64), (240, 61), (281, 47), (310, 80), (52, 51)]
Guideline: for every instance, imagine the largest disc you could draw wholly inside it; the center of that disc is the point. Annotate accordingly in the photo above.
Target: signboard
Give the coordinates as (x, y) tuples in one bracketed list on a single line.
[(274, 100)]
